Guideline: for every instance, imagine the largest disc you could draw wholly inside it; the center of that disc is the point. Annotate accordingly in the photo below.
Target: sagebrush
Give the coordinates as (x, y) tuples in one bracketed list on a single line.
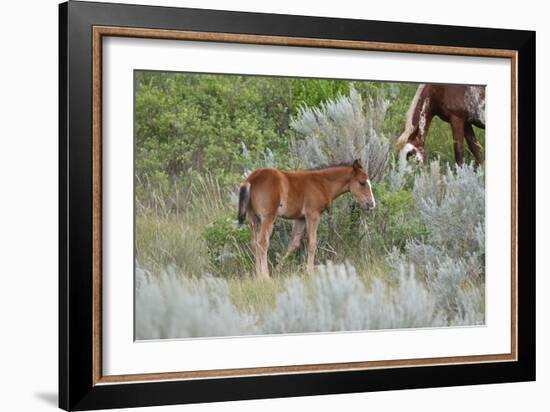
[(341, 130), (336, 299)]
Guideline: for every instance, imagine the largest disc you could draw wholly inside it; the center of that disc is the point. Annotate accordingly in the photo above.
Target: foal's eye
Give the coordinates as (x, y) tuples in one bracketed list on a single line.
[(363, 183)]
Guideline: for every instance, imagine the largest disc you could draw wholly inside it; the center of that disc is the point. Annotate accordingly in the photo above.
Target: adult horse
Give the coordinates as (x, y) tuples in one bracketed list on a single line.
[(461, 106), (301, 196)]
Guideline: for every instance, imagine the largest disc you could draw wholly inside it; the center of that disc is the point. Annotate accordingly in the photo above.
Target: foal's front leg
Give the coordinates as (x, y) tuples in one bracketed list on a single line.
[(312, 222), (298, 227)]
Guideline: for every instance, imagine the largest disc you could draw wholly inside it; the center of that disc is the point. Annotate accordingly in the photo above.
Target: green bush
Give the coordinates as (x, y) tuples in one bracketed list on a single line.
[(223, 230), (395, 220), (200, 121), (228, 244)]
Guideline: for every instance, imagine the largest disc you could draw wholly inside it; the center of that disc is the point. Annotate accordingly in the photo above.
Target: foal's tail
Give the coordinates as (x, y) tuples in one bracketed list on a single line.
[(244, 200)]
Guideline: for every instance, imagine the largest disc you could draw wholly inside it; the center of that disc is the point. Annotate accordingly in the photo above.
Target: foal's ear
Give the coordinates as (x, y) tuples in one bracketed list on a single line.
[(357, 165)]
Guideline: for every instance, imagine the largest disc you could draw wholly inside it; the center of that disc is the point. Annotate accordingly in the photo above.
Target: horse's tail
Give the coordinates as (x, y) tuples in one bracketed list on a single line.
[(410, 127), (244, 200), (403, 139)]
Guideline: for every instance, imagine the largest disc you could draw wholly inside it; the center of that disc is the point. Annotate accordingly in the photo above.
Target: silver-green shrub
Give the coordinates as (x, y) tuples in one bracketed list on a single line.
[(335, 299), (451, 203), (341, 130), (265, 159), (170, 306)]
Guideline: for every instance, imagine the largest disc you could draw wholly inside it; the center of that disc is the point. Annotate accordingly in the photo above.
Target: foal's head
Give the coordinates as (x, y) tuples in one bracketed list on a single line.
[(360, 186)]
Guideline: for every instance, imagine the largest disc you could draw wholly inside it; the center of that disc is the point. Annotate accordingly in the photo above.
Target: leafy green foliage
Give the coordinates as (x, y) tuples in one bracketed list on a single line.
[(200, 121), (395, 221), (226, 240)]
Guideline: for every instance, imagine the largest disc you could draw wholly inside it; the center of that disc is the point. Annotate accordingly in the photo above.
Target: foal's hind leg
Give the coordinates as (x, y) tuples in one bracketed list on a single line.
[(472, 142), (254, 226), (266, 228)]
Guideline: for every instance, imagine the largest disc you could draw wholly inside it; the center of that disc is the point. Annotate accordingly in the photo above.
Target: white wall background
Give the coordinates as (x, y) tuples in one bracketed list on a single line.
[(28, 204)]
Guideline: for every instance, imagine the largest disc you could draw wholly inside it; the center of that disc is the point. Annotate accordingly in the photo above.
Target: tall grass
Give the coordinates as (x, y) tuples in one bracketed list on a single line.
[(170, 223)]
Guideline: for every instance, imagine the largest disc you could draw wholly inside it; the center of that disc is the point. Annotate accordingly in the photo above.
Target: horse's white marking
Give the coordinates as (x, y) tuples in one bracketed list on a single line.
[(409, 147), (371, 194), (474, 102), (403, 153), (422, 119), (409, 126)]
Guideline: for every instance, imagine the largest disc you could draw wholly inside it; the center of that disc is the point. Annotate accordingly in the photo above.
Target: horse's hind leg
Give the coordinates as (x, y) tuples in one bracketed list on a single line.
[(298, 227), (263, 245), (457, 126), (472, 142)]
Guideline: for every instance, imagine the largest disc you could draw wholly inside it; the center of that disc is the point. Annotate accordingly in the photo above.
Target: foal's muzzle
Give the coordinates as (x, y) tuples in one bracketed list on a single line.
[(368, 205)]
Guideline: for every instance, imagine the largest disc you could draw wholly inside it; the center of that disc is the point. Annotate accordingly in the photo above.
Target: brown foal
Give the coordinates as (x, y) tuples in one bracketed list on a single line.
[(301, 196)]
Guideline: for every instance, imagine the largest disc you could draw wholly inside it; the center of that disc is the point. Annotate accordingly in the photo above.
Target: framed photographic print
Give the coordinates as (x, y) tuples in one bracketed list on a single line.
[(256, 205)]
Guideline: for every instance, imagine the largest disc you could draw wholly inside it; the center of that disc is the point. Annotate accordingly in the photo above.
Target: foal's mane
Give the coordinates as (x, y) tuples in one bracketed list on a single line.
[(331, 166)]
